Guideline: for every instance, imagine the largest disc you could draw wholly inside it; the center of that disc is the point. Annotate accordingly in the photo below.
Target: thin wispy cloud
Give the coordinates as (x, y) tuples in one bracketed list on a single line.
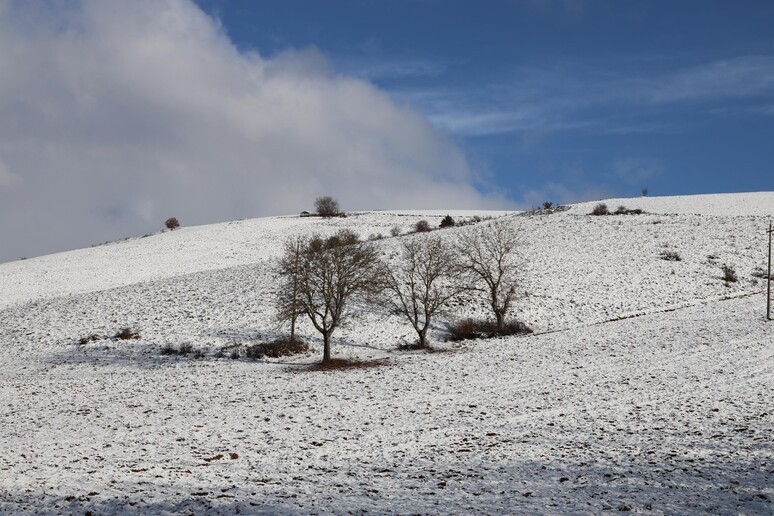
[(575, 97)]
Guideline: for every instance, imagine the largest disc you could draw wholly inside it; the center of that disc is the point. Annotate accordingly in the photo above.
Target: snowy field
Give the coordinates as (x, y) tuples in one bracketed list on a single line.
[(647, 386)]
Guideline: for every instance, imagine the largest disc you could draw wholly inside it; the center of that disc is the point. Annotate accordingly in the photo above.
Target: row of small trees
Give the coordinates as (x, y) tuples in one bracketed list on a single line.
[(322, 276)]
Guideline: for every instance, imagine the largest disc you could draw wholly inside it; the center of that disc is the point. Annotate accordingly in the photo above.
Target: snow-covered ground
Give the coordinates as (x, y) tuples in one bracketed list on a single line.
[(647, 385)]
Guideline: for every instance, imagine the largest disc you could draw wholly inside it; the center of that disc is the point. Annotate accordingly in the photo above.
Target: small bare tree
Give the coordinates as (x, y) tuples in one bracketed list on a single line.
[(488, 255), (424, 282), (327, 206), (288, 302), (330, 273)]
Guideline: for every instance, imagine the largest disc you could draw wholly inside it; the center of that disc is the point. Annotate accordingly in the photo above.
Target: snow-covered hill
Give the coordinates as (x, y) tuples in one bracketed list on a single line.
[(646, 386)]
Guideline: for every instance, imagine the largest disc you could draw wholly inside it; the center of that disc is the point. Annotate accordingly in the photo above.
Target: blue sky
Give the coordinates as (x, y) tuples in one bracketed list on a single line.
[(561, 100)]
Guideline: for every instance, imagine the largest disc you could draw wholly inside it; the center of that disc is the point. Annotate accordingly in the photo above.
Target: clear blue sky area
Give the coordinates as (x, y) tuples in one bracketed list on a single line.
[(558, 100)]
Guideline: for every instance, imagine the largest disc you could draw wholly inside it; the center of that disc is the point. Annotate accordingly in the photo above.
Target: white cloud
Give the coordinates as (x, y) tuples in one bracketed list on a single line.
[(114, 114)]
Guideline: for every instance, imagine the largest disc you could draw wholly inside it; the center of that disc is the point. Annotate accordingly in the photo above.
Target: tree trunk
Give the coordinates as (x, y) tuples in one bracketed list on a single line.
[(423, 337), (326, 347), (500, 322)]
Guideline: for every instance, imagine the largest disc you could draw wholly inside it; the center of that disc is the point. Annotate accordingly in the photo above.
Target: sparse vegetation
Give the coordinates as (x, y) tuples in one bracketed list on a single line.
[(172, 223), (327, 206), (671, 256), (759, 272), (182, 350), (422, 226), (470, 328), (644, 191), (600, 209), (729, 274), (447, 222), (126, 334), (395, 231), (276, 349), (90, 338)]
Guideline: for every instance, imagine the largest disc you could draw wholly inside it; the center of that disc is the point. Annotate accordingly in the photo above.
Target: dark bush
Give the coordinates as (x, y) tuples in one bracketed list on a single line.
[(277, 349), (447, 222), (422, 226), (548, 205), (183, 350), (91, 338), (729, 274), (600, 209), (482, 329), (395, 231), (126, 334), (644, 191), (168, 349), (621, 210), (671, 256), (234, 354), (327, 206), (172, 223)]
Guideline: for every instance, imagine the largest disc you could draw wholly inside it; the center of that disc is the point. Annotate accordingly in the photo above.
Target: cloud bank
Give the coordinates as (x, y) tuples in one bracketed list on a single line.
[(116, 115)]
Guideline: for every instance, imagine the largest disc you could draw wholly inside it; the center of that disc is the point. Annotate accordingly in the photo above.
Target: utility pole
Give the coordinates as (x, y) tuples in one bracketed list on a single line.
[(768, 278)]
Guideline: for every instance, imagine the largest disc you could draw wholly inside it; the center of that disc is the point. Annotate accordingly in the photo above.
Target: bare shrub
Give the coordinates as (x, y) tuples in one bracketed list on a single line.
[(172, 223), (422, 226), (126, 334), (327, 206), (90, 338), (671, 256), (600, 209), (729, 274), (395, 231), (276, 349), (182, 350), (469, 328), (168, 349), (447, 222)]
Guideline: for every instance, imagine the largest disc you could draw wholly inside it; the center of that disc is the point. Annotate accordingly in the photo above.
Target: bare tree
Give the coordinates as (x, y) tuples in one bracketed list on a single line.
[(330, 273), (288, 302), (488, 255), (424, 282), (327, 206)]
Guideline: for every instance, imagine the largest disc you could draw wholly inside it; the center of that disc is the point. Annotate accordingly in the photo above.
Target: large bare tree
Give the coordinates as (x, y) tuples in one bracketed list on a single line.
[(424, 281), (489, 255), (330, 273)]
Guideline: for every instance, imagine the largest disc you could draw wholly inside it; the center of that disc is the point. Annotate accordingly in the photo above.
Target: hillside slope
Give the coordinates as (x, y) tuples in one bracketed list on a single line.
[(646, 386)]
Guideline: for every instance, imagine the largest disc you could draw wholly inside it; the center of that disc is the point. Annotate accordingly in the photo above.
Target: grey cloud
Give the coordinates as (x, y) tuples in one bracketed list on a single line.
[(115, 115)]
